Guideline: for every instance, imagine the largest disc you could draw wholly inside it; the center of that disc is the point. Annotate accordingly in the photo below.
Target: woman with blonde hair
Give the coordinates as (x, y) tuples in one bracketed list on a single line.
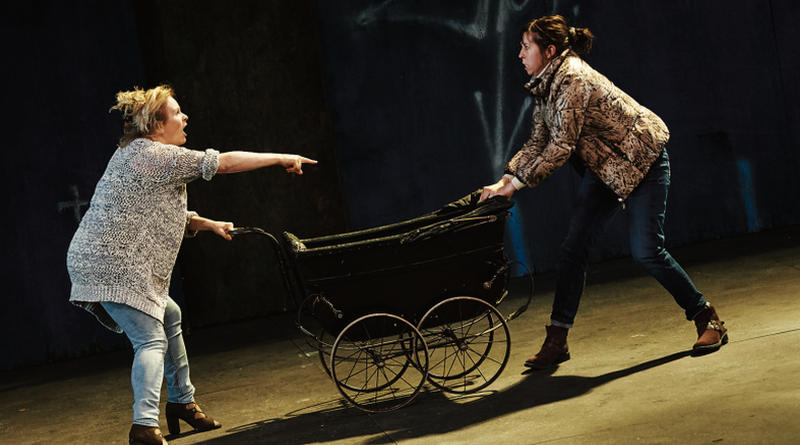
[(620, 145), (121, 258)]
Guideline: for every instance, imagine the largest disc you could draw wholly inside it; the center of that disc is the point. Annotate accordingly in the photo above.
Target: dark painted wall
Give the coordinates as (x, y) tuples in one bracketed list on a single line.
[(425, 106), (248, 76), (428, 105), (62, 66)]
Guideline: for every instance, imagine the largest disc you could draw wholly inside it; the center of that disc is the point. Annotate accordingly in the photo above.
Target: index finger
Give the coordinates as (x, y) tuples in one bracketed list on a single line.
[(307, 160)]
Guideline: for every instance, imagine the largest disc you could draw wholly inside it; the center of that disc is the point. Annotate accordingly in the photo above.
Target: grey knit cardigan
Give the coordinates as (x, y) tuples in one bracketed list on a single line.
[(127, 242)]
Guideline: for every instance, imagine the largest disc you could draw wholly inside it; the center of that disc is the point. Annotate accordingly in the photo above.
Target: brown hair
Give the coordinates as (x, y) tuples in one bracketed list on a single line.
[(553, 30), (142, 111)]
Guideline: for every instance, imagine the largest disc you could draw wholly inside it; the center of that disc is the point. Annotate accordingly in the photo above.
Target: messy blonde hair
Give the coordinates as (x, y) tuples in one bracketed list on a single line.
[(142, 111)]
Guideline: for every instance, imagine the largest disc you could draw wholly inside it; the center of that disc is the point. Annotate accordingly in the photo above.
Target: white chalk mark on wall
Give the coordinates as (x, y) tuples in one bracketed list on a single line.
[(499, 146), (388, 12), (75, 203)]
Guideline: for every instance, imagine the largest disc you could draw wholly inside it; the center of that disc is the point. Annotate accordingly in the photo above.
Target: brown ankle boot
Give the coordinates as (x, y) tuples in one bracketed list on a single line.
[(191, 414), (711, 332), (554, 350), (145, 435)]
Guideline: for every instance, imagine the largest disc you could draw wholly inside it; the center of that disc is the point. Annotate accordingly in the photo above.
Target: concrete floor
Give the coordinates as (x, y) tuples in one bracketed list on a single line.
[(630, 380)]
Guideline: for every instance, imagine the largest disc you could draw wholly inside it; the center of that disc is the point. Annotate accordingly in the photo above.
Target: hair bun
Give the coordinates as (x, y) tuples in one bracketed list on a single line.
[(553, 30)]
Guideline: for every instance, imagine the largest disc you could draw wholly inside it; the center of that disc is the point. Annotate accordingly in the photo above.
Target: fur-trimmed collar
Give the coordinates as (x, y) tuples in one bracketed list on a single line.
[(539, 85)]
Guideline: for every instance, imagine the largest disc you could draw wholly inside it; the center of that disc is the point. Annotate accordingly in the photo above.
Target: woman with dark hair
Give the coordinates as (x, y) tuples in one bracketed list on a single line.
[(120, 259), (580, 115)]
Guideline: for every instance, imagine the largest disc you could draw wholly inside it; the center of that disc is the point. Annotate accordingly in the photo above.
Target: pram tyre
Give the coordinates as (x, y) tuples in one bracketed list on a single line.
[(379, 362), (469, 344)]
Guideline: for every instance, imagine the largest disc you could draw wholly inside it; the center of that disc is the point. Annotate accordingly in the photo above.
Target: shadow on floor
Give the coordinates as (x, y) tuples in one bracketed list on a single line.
[(431, 414)]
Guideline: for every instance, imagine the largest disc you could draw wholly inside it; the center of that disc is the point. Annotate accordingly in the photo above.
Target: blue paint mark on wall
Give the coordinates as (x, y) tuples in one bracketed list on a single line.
[(748, 194), (520, 248)]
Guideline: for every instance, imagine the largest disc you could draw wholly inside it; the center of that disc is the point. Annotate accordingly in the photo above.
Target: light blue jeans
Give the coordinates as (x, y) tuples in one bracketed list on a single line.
[(158, 352)]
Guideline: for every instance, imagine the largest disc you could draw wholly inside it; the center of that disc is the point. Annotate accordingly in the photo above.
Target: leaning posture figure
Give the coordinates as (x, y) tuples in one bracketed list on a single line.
[(620, 147), (120, 259)]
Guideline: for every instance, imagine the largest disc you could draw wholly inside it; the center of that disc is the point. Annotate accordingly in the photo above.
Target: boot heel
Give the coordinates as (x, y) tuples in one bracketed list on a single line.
[(191, 414), (144, 435), (173, 425)]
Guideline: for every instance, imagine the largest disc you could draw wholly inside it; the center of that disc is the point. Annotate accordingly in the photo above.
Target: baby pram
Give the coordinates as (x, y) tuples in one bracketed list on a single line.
[(391, 307)]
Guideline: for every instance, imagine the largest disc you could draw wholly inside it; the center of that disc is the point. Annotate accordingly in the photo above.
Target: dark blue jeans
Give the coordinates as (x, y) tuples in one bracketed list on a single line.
[(646, 208)]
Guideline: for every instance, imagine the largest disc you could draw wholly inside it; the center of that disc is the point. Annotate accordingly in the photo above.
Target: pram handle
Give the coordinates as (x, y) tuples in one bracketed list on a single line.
[(246, 230), (524, 307), (280, 254)]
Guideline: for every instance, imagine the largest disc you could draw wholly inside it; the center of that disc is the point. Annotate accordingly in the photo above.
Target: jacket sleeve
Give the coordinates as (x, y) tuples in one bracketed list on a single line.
[(534, 145), (549, 148)]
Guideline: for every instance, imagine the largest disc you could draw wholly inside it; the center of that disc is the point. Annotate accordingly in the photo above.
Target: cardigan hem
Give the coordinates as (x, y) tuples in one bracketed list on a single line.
[(89, 297)]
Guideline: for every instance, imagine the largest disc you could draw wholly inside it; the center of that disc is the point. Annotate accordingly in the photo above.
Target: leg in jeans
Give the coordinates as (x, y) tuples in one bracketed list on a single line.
[(146, 334), (176, 363), (647, 207), (596, 204)]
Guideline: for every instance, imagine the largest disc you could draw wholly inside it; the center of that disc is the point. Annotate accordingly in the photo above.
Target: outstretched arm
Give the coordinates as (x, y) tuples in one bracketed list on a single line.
[(242, 161)]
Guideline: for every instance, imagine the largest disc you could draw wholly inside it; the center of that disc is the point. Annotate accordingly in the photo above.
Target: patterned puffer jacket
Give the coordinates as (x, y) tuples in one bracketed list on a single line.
[(578, 110)]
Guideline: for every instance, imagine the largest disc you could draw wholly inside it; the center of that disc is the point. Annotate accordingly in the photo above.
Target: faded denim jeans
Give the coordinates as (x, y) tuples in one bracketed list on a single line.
[(159, 352), (646, 210)]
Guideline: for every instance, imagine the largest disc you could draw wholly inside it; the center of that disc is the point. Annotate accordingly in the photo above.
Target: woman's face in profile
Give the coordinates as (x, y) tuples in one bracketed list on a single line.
[(171, 132), (531, 55)]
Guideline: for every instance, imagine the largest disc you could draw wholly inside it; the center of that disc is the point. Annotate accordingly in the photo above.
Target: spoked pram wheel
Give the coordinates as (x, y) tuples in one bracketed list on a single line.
[(379, 362), (324, 342), (468, 343)]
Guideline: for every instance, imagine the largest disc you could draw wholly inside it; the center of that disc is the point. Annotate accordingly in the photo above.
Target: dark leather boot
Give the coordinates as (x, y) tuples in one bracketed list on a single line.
[(145, 435), (711, 332), (554, 350), (191, 414)]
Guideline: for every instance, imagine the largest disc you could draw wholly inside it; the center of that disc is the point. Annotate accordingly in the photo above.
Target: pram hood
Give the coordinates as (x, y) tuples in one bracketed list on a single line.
[(454, 216)]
